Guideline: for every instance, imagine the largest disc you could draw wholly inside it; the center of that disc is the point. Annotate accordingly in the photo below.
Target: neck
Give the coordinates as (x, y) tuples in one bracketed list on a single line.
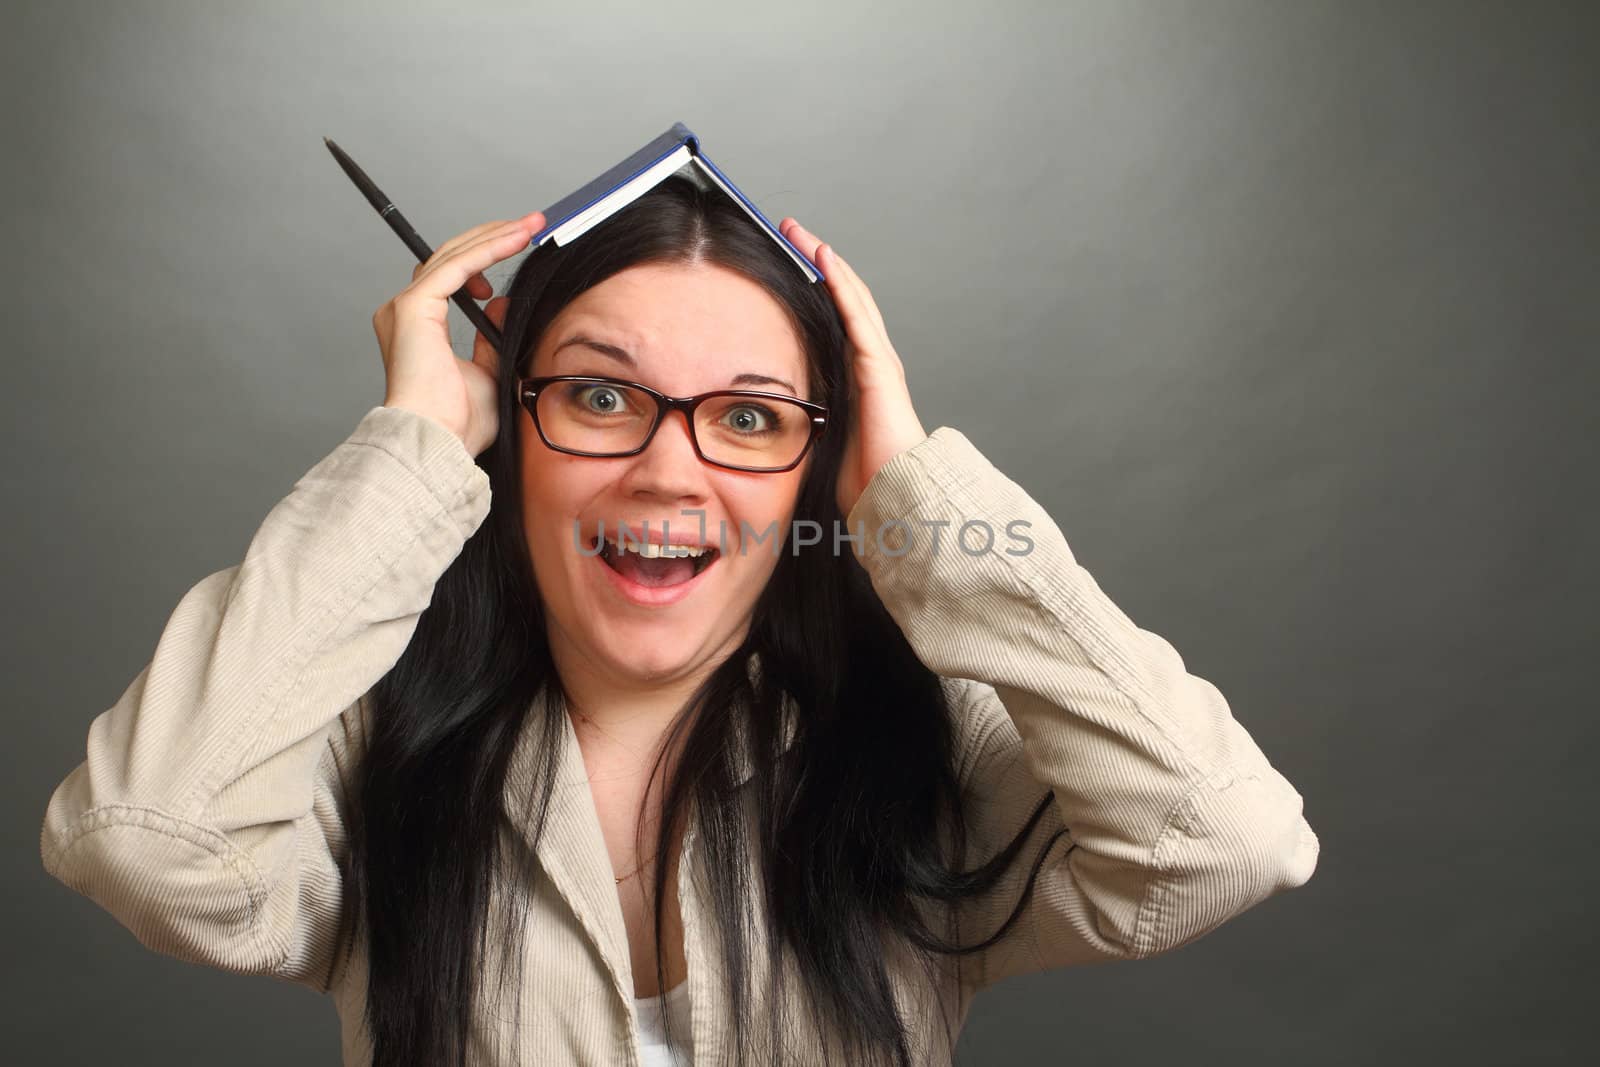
[(624, 716)]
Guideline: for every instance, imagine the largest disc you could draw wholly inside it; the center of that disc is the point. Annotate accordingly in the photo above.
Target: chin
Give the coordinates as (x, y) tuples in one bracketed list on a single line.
[(649, 657)]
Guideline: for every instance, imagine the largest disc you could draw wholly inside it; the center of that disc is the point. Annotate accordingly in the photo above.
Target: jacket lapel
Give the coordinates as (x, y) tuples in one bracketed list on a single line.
[(572, 848)]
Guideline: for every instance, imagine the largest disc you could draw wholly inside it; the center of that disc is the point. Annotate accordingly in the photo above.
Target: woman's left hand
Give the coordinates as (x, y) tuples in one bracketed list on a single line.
[(885, 422)]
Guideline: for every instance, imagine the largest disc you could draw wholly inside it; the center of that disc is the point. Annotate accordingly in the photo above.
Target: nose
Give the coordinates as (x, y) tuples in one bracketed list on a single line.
[(668, 468)]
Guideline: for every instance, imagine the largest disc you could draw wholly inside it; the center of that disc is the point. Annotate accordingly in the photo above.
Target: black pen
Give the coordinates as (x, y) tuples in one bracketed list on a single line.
[(397, 222)]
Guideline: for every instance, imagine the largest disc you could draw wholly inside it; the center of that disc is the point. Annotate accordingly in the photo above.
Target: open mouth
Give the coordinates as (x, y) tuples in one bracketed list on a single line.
[(656, 566)]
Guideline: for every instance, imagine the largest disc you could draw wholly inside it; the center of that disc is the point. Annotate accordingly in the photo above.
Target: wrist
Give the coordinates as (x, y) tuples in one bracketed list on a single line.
[(402, 404)]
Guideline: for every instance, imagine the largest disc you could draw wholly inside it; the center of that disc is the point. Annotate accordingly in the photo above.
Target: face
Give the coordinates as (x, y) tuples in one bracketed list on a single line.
[(680, 329)]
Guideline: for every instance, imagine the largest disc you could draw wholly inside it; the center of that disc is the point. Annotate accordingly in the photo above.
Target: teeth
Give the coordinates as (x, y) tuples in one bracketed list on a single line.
[(650, 550)]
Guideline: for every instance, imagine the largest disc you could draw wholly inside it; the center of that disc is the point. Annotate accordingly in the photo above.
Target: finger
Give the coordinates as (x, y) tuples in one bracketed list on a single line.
[(439, 279), (478, 286), (808, 243), (800, 237), (848, 281), (847, 278), (477, 235), (460, 239), (533, 221), (860, 314), (479, 231), (483, 353), (845, 296)]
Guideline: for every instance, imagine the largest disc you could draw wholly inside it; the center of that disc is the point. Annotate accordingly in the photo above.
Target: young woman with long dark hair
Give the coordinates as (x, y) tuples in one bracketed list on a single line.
[(762, 719)]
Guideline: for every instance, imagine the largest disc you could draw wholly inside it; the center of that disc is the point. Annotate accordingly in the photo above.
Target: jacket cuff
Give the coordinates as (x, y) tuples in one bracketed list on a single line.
[(922, 478), (438, 458)]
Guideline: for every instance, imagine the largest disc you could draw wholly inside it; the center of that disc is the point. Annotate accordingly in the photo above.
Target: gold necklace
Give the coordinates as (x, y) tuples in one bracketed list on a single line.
[(596, 727), (635, 871)]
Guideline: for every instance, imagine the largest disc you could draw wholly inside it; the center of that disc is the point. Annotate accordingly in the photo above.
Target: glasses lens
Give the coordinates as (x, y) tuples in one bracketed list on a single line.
[(605, 417), (752, 431)]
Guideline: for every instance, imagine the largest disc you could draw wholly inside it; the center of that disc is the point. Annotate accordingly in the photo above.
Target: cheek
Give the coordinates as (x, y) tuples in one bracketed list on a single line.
[(763, 507), (552, 495)]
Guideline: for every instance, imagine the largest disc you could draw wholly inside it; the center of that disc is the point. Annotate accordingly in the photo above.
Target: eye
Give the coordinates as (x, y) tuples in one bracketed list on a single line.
[(600, 399), (748, 418)]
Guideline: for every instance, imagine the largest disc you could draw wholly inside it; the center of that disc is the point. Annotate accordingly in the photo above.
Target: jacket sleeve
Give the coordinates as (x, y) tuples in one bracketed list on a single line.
[(207, 816), (1174, 820)]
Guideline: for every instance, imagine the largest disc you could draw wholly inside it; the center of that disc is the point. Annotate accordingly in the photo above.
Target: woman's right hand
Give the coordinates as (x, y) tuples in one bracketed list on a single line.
[(421, 369)]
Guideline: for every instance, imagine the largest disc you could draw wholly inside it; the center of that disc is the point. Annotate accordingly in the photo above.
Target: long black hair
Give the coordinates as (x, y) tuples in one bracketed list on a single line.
[(858, 824)]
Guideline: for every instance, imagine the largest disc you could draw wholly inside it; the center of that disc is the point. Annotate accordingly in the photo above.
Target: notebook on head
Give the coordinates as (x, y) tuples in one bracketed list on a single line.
[(677, 151)]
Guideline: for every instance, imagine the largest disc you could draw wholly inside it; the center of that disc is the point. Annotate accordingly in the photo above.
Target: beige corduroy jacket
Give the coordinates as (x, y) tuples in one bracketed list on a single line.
[(207, 815)]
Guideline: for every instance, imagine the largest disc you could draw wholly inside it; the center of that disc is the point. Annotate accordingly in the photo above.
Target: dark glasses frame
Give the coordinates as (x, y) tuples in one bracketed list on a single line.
[(528, 390)]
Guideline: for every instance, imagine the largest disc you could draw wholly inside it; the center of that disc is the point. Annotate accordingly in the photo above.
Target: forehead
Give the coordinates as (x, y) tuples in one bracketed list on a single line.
[(673, 316)]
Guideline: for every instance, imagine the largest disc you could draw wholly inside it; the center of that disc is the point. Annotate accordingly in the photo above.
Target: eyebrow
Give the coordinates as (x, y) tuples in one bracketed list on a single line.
[(621, 355)]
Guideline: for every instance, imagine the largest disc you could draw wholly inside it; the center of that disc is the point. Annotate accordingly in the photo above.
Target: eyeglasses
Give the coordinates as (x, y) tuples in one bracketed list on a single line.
[(740, 429)]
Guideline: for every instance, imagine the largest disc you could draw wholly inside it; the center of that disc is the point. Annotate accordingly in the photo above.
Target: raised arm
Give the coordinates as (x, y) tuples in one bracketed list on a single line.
[(207, 816), (1175, 819)]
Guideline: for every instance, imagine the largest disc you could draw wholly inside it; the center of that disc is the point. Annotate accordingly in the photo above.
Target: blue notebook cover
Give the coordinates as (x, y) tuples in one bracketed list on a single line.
[(570, 210)]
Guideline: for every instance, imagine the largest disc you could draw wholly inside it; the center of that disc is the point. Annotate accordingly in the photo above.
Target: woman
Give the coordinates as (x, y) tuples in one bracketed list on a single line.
[(514, 788)]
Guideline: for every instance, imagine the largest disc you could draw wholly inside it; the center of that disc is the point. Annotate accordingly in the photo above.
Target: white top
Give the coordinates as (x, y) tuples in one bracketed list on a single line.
[(654, 1050)]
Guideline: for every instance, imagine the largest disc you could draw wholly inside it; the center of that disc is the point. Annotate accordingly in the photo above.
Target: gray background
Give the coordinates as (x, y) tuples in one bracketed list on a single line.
[(1287, 312)]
